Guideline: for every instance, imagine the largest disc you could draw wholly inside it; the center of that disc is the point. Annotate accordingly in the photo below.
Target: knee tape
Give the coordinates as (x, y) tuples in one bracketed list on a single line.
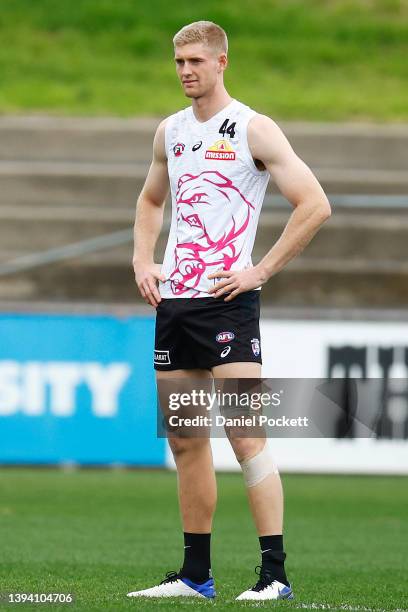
[(256, 469)]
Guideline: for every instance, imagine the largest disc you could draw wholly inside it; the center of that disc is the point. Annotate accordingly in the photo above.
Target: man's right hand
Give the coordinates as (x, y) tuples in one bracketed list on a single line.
[(146, 275)]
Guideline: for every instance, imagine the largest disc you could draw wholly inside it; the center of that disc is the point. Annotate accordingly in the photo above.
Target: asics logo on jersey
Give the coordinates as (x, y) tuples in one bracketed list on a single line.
[(197, 145)]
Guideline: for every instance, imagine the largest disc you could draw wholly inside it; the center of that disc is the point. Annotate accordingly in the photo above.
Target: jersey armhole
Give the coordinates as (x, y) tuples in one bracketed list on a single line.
[(167, 136), (249, 159)]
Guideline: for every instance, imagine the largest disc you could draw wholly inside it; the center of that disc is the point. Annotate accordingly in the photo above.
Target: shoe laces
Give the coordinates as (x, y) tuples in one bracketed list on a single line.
[(170, 577), (265, 579)]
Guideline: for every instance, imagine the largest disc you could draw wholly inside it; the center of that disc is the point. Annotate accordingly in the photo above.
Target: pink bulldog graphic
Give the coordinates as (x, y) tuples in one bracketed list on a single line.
[(212, 216)]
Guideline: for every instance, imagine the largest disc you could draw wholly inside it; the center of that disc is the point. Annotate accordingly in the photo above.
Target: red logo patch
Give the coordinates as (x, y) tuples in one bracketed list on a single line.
[(178, 149), (225, 336)]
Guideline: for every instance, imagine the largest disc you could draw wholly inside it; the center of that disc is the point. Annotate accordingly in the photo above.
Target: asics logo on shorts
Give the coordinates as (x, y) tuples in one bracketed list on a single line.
[(225, 351)]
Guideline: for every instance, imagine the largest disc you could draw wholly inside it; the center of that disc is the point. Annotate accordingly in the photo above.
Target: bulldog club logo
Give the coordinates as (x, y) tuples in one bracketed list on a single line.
[(221, 150), (256, 347), (178, 149), (225, 336), (212, 218)]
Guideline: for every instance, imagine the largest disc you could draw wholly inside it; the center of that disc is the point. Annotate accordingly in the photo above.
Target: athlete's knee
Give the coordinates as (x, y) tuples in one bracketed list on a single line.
[(246, 447), (184, 446), (258, 466)]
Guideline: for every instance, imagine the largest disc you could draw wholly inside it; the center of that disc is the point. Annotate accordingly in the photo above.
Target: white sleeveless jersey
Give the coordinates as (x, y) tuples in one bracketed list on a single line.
[(217, 194)]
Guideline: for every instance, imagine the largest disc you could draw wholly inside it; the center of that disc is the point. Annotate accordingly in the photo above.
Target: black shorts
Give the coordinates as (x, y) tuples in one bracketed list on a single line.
[(205, 332)]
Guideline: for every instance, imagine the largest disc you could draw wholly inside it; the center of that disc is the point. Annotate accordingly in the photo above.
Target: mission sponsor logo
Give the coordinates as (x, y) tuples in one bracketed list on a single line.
[(220, 150), (225, 336)]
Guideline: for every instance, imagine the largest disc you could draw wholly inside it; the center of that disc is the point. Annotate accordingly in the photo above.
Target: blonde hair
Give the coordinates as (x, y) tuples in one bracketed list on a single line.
[(206, 32)]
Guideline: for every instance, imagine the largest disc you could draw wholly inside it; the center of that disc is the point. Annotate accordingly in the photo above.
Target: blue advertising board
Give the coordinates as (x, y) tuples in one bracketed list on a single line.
[(78, 389)]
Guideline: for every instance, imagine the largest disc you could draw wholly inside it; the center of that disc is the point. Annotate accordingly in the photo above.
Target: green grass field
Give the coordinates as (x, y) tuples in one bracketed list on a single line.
[(99, 534), (293, 59)]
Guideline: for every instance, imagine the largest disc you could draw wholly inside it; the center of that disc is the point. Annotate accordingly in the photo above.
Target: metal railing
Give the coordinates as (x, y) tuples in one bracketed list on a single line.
[(125, 236), (76, 249)]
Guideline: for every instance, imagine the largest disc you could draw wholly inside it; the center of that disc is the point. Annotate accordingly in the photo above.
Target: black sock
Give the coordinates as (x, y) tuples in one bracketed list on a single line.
[(197, 560), (273, 557)]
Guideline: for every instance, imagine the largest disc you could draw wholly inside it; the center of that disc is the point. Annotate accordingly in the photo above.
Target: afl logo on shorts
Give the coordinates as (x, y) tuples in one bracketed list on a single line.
[(256, 347), (225, 336), (178, 149)]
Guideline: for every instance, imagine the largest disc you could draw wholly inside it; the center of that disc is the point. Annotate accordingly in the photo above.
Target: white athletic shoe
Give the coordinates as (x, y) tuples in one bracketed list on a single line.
[(174, 586), (266, 588)]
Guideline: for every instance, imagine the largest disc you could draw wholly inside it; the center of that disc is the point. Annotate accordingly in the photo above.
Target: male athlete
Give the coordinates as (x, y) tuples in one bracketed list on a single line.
[(217, 155)]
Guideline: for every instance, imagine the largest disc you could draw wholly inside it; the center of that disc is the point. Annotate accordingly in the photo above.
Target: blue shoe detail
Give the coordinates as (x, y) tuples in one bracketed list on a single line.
[(286, 593), (206, 588)]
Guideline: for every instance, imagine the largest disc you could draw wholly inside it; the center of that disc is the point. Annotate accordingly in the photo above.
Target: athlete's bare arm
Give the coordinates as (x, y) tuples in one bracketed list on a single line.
[(297, 184), (149, 221)]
